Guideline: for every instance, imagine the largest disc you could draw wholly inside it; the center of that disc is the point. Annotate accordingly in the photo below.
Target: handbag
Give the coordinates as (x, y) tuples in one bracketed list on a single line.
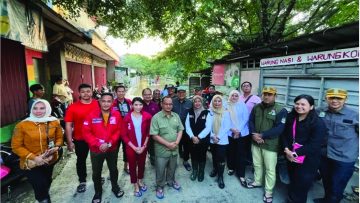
[(300, 159)]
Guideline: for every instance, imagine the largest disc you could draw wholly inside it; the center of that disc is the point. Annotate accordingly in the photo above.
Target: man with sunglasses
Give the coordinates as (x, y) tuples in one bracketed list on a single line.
[(341, 149)]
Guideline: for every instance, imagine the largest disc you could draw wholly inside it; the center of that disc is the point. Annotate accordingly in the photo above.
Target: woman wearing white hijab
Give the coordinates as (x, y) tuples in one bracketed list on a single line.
[(36, 140), (219, 137), (198, 125), (238, 139)]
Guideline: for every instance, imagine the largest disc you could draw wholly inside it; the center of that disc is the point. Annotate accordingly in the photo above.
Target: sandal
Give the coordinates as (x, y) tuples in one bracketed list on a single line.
[(81, 188), (96, 198), (143, 187), (159, 193), (355, 189), (250, 185), (175, 185), (230, 172), (137, 193), (243, 182), (118, 192), (268, 199)]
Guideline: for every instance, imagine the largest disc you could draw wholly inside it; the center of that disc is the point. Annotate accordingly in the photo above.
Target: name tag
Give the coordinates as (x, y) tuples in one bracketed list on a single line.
[(96, 120), (112, 120), (191, 116)]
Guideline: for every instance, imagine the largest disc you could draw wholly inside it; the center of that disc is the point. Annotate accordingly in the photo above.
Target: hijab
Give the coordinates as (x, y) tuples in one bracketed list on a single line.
[(218, 113), (231, 106), (199, 110), (46, 118)]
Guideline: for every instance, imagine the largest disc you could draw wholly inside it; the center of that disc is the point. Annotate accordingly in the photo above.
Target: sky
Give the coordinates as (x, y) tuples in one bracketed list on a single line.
[(147, 46)]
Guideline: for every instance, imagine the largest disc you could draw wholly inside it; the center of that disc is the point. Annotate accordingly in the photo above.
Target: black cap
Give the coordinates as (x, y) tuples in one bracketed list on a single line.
[(197, 88), (170, 86)]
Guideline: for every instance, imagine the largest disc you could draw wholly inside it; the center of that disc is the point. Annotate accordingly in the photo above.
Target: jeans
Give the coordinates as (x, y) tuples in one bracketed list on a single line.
[(335, 176), (81, 151), (97, 161), (40, 179)]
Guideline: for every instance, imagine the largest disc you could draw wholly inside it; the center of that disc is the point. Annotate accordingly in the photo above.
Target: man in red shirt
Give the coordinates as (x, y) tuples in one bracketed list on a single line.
[(74, 119), (101, 130), (123, 106)]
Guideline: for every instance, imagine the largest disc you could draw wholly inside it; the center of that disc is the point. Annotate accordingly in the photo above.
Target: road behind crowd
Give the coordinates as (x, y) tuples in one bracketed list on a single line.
[(63, 189)]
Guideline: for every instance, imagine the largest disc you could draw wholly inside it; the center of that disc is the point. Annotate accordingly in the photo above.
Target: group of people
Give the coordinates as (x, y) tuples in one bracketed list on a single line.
[(312, 140)]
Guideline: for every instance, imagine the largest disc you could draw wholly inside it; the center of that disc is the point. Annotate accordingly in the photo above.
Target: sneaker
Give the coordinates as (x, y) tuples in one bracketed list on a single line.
[(230, 172), (81, 188)]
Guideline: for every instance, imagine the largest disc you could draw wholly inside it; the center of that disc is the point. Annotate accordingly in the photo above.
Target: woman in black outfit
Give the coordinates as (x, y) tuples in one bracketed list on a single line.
[(198, 126), (302, 138)]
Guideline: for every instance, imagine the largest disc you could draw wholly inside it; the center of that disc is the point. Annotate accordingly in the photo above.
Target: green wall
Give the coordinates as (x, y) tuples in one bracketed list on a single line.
[(6, 133)]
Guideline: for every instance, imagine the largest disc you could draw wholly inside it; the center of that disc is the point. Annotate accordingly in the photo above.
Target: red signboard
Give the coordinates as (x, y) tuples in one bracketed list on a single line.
[(218, 74)]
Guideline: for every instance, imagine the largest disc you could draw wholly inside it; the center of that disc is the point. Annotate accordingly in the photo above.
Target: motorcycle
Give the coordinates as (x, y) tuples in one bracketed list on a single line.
[(9, 168)]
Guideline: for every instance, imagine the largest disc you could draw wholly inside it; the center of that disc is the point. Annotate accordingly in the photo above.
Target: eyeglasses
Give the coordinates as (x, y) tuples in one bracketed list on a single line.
[(336, 98)]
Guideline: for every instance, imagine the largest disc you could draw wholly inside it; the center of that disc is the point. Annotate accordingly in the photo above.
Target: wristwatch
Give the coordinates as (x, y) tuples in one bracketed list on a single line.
[(109, 144)]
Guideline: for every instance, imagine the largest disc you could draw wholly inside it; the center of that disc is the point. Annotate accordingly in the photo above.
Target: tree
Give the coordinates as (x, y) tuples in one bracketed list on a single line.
[(205, 29), (154, 66)]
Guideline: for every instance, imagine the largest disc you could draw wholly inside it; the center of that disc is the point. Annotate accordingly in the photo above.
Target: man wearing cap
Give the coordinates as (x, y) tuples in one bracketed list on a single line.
[(341, 149), (181, 106), (266, 123), (171, 91)]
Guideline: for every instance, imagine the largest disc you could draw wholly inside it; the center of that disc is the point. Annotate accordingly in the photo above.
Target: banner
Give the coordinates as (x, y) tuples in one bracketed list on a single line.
[(316, 57), (218, 74)]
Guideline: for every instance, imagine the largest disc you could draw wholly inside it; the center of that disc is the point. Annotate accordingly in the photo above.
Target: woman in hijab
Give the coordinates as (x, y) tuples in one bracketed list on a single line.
[(219, 137), (37, 140), (238, 139), (302, 138), (198, 126)]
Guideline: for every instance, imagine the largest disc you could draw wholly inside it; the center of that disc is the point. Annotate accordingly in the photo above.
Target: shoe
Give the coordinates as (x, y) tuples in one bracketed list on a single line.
[(81, 188), (159, 193), (221, 168), (230, 172), (195, 167), (201, 171), (96, 198), (187, 166), (267, 199), (118, 192), (213, 173), (175, 185)]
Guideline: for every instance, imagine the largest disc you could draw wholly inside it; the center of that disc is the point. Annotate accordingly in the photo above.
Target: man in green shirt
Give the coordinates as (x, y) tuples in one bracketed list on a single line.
[(166, 129)]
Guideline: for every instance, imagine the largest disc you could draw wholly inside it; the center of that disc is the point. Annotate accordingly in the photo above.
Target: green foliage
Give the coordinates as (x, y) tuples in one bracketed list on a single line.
[(202, 30), (154, 66)]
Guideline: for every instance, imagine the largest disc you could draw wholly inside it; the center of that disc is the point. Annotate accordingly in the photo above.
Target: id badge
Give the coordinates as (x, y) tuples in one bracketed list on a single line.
[(51, 144)]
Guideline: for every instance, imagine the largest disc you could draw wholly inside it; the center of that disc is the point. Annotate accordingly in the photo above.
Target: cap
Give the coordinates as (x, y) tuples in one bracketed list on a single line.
[(197, 88), (268, 89), (181, 89), (336, 92), (170, 86)]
